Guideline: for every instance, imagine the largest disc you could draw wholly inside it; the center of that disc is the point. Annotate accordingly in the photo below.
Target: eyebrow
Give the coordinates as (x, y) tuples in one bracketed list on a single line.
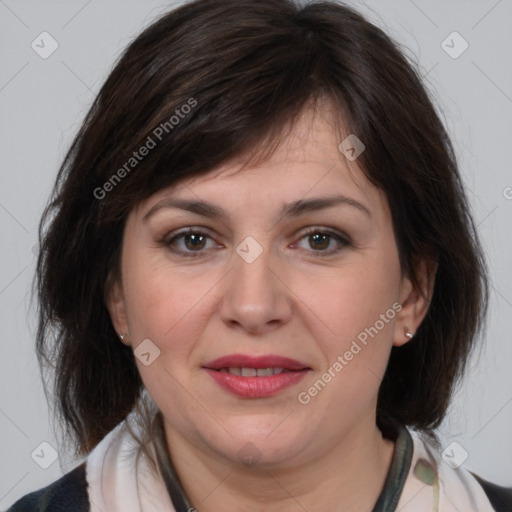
[(293, 209)]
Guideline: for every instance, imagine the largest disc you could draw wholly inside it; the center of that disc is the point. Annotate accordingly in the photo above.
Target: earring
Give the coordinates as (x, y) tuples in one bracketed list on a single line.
[(122, 336), (407, 333)]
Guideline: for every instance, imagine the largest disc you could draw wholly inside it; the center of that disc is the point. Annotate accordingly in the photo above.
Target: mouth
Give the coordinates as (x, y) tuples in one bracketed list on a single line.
[(254, 372), (255, 377)]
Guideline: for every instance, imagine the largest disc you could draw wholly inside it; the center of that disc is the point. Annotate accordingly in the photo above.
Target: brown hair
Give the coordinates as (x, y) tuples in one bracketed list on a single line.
[(246, 70)]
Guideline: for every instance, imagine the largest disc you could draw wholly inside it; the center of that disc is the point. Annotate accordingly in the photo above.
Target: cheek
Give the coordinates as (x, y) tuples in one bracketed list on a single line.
[(167, 307), (357, 304), (354, 298), (356, 351), (166, 304)]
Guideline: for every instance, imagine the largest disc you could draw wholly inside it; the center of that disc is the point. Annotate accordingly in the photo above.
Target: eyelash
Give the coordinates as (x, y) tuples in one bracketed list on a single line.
[(343, 240)]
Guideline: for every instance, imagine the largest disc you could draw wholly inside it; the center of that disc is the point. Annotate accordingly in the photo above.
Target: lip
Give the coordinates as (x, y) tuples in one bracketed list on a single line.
[(256, 387), (246, 361)]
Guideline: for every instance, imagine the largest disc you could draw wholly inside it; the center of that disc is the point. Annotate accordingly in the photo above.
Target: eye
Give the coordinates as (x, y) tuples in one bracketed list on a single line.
[(193, 242), (320, 239)]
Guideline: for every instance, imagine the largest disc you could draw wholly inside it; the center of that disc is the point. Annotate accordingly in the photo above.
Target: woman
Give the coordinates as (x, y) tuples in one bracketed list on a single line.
[(260, 273)]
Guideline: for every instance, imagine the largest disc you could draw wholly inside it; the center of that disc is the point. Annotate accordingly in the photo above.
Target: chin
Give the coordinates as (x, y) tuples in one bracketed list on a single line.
[(254, 443)]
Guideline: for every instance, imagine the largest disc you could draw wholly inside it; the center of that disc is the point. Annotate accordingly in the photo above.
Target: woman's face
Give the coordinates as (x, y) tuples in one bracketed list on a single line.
[(294, 258)]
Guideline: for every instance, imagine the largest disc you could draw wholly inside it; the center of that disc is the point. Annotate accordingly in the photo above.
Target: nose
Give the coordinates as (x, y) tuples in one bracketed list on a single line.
[(255, 296)]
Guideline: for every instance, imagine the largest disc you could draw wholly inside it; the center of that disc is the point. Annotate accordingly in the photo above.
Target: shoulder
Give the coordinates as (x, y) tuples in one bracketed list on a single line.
[(500, 497), (450, 482), (67, 493)]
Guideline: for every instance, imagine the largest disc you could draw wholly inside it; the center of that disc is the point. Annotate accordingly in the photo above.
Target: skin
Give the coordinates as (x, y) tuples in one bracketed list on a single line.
[(328, 453)]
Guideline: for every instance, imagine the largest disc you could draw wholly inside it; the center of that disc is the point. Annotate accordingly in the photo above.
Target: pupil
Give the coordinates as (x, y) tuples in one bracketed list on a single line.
[(317, 236), (195, 239)]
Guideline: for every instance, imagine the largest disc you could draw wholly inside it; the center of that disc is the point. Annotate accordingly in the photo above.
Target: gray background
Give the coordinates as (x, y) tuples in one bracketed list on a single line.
[(42, 103)]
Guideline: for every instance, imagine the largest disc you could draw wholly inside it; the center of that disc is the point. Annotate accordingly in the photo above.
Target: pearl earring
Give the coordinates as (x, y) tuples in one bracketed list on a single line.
[(407, 333), (122, 336)]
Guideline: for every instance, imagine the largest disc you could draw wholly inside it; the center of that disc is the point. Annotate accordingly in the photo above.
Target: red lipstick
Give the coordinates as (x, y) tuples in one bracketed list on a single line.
[(256, 376)]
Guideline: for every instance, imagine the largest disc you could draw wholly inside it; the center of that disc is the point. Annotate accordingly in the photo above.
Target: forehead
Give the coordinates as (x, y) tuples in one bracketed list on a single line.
[(306, 162)]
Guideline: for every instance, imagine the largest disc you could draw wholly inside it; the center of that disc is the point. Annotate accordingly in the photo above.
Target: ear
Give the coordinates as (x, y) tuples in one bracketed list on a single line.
[(415, 300), (114, 300)]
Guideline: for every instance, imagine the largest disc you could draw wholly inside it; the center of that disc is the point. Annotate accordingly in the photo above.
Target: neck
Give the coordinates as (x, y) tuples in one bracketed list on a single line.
[(349, 476)]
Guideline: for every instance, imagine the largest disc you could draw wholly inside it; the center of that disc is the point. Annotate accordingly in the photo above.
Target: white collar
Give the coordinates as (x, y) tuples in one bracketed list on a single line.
[(452, 490), (120, 480)]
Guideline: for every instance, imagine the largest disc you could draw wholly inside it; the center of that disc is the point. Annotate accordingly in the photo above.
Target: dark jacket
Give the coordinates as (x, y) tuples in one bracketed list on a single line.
[(67, 494)]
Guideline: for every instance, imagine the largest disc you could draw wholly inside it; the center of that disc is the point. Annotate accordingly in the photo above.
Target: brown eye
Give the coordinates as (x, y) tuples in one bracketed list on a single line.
[(195, 241), (186, 243), (320, 241)]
